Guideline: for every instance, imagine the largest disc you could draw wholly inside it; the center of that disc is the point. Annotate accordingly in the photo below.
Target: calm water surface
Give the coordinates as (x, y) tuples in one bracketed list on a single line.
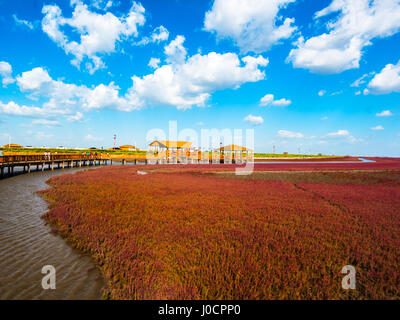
[(27, 244)]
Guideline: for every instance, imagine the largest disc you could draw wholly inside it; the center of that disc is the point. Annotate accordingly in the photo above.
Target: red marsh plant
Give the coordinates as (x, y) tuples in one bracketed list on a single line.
[(184, 234)]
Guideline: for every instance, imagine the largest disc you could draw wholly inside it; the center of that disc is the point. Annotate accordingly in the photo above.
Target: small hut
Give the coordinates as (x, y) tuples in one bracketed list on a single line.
[(174, 150), (167, 145), (127, 147), (13, 146), (235, 152)]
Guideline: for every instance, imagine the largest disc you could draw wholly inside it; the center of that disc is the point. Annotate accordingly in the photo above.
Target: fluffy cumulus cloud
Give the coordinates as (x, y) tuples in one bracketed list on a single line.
[(289, 134), (384, 113), (353, 25), (154, 62), (387, 81), (13, 108), (269, 100), (65, 99), (186, 82), (341, 135), (175, 51), (102, 4), (6, 73), (182, 82), (254, 25), (98, 33), (33, 80), (338, 134), (254, 120), (158, 35), (75, 117), (378, 128)]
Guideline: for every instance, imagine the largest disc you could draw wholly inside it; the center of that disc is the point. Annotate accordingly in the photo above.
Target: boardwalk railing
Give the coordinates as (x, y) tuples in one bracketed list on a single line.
[(28, 162), (53, 157)]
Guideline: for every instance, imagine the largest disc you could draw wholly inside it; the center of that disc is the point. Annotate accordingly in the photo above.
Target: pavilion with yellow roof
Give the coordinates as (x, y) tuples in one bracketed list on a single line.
[(168, 145)]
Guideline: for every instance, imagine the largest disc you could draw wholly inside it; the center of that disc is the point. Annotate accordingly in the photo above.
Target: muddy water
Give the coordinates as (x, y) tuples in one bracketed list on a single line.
[(27, 244)]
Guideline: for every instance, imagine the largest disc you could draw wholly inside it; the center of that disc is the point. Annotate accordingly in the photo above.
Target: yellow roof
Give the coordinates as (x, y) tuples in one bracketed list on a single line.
[(233, 147), (12, 145), (127, 146), (171, 144)]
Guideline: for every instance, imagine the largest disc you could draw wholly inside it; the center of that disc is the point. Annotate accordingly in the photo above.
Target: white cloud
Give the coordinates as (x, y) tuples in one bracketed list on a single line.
[(322, 93), (341, 134), (92, 138), (385, 113), (43, 136), (200, 123), (362, 79), (102, 4), (34, 79), (387, 81), (6, 73), (338, 134), (66, 99), (289, 134), (190, 83), (76, 117), (378, 128), (268, 100), (354, 24), (183, 85), (254, 120), (98, 33), (13, 108), (159, 34), (46, 122), (254, 25), (25, 23), (324, 118), (175, 51), (154, 63)]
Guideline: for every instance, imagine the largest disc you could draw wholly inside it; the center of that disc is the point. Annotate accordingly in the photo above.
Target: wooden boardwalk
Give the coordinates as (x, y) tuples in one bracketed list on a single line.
[(30, 163)]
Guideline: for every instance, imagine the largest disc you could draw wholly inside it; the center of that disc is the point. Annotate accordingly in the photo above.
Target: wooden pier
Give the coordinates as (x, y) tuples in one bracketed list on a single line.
[(29, 163), (35, 162)]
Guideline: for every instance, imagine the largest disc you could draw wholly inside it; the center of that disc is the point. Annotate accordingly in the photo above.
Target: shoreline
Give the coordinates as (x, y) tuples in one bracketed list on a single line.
[(27, 244)]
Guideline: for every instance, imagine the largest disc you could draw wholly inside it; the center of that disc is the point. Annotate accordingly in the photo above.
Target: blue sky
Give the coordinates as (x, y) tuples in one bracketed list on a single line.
[(315, 76)]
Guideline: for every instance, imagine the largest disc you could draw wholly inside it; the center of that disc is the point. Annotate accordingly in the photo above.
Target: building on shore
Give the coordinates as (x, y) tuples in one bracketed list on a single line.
[(128, 147), (12, 146), (236, 152), (167, 145)]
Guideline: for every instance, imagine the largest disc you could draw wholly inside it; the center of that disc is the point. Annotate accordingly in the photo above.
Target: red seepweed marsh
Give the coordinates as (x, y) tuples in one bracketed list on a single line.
[(200, 232)]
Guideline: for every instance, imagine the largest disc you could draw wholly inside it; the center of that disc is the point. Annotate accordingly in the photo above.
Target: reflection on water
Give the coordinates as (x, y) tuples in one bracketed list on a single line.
[(27, 244)]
